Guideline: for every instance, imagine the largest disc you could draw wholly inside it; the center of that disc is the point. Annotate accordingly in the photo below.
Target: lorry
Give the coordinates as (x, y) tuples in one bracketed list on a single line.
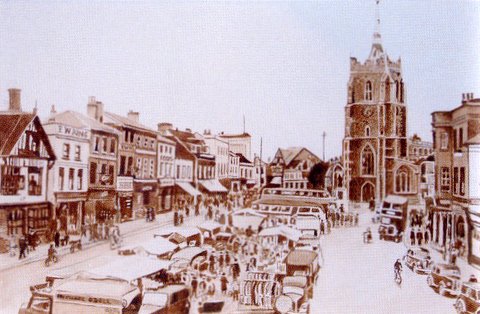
[(393, 218)]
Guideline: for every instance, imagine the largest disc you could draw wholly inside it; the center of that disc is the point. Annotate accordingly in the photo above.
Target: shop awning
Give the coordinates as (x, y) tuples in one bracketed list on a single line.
[(213, 185), (187, 187)]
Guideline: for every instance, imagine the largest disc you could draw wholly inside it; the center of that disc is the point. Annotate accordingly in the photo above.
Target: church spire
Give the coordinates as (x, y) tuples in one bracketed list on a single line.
[(377, 49)]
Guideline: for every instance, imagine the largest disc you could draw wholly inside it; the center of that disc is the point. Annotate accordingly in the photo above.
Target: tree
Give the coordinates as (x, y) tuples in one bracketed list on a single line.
[(316, 177)]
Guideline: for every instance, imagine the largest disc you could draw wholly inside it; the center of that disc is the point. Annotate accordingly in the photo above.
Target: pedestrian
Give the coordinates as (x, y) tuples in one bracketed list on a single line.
[(83, 230), (356, 219), (224, 283), (211, 287), (57, 238), (412, 237), (220, 261), (322, 228), (202, 286), (22, 244), (194, 285), (227, 258), (13, 245), (175, 218)]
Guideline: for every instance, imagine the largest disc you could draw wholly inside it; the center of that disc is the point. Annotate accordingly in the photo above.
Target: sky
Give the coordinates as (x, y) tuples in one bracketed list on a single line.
[(204, 65)]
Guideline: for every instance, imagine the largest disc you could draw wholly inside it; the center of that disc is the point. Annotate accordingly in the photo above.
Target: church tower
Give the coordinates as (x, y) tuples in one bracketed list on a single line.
[(375, 123)]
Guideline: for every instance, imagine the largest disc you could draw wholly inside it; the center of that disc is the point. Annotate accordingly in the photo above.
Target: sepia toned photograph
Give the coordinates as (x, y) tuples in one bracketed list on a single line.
[(240, 157)]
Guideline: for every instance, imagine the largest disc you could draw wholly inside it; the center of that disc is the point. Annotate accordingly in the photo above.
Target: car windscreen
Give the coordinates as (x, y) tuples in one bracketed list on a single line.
[(386, 220), (157, 299)]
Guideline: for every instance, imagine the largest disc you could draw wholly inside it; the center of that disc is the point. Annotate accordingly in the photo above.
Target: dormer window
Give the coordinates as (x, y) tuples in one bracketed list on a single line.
[(368, 91)]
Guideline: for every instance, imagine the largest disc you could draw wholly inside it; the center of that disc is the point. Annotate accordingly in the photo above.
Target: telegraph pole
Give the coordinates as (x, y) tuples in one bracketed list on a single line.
[(324, 135)]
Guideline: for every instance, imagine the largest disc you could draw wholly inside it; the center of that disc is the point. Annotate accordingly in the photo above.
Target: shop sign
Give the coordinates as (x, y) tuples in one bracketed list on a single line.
[(166, 182), (74, 132), (124, 184)]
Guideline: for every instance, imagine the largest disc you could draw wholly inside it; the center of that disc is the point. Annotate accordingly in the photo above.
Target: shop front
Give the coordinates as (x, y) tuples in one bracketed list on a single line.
[(100, 206), (125, 197), (144, 194), (69, 210), (474, 245), (17, 219), (165, 194)]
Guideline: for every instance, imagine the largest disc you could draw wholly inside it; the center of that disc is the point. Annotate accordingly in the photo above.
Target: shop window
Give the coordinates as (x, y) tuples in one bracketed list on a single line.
[(93, 173), (34, 181), (130, 166), (96, 145), (61, 178), (71, 178), (455, 180), (445, 179), (80, 179), (77, 152), (66, 151), (112, 146), (105, 145), (123, 160), (12, 181), (444, 141), (111, 174)]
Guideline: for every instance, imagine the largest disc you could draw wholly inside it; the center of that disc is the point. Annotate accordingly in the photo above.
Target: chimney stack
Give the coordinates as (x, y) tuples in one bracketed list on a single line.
[(163, 127), (95, 109), (134, 116), (15, 101)]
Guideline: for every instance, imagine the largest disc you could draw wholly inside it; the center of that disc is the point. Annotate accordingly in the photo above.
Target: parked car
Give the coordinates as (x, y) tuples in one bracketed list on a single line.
[(294, 297), (170, 299), (445, 279), (418, 260), (468, 300)]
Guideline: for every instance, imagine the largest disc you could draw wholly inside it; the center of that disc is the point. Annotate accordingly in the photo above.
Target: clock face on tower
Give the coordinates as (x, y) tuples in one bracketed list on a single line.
[(367, 112)]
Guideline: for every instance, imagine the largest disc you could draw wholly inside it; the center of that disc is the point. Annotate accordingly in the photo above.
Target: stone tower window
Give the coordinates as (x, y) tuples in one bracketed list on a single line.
[(403, 180), (368, 91), (367, 131), (368, 161)]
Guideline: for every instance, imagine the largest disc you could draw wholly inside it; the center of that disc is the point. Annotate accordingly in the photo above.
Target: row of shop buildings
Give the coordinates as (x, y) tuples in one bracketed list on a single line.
[(78, 169)]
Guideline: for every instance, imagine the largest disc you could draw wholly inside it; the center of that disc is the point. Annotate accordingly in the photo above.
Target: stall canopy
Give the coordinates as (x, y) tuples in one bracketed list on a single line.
[(287, 232), (394, 199), (213, 186), (131, 267), (188, 253), (244, 218), (183, 231), (187, 187), (159, 246), (210, 225), (301, 258)]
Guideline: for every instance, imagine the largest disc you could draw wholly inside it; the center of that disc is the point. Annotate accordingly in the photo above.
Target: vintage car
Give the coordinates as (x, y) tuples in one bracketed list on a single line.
[(468, 300), (303, 262), (445, 279), (294, 297), (390, 233), (170, 299), (418, 260)]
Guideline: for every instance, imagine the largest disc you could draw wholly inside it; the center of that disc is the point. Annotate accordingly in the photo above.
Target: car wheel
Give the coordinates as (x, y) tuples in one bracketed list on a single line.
[(460, 306), (441, 289)]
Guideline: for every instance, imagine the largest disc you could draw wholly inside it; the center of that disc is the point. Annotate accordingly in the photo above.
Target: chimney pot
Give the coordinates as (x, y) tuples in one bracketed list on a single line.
[(15, 100), (164, 126), (95, 109), (134, 116)]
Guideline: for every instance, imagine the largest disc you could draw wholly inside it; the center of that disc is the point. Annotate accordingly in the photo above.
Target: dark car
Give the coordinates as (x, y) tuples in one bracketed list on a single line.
[(418, 260), (468, 300), (445, 279), (389, 232)]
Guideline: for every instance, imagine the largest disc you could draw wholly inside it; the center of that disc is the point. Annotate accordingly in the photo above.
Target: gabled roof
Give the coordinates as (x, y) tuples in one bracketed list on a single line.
[(181, 152), (79, 120), (186, 136), (124, 121), (12, 126), (289, 154), (243, 159), (164, 139)]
